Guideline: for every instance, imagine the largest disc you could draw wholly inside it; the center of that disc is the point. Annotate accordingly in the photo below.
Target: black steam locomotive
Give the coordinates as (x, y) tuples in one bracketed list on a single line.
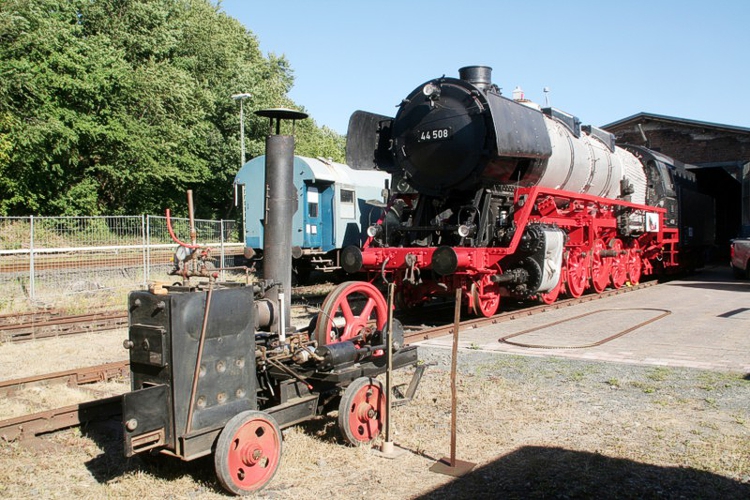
[(500, 197)]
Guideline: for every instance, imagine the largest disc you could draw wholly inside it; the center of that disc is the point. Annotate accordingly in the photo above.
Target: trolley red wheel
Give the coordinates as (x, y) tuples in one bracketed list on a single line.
[(600, 267), (576, 266), (635, 265), (353, 308), (362, 411), (248, 452), (619, 271), (485, 296)]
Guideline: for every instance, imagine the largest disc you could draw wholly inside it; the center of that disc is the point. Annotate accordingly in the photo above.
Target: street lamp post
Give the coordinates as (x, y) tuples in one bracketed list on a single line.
[(242, 97)]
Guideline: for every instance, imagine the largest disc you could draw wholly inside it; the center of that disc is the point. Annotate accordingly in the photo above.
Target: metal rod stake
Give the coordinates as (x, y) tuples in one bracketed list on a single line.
[(196, 374), (454, 360)]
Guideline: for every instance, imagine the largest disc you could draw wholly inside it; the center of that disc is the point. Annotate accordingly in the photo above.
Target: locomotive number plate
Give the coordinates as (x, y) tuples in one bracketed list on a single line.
[(435, 134)]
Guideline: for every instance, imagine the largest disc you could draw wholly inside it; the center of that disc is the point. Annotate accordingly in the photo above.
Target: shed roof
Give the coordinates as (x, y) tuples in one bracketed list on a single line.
[(643, 116)]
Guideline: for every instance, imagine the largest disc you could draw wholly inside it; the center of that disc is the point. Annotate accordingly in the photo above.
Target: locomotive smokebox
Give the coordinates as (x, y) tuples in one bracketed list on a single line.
[(479, 76), (281, 204)]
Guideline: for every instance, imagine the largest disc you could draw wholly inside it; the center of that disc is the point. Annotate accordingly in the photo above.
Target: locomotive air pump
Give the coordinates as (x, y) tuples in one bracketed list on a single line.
[(217, 368)]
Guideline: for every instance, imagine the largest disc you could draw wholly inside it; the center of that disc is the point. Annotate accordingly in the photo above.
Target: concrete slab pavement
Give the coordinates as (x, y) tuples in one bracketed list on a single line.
[(708, 327)]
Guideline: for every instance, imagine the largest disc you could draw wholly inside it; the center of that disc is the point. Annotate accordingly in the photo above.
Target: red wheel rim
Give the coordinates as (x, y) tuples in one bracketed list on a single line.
[(600, 267), (551, 296), (254, 454), (485, 296), (576, 268), (635, 266), (619, 271), (365, 413), (351, 309)]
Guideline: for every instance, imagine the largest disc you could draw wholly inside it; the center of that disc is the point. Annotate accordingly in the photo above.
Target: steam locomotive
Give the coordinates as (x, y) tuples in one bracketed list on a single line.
[(501, 198), (216, 368)]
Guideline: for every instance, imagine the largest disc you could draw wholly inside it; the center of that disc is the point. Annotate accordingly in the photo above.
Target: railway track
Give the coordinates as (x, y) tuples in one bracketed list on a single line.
[(416, 334), (29, 426), (31, 328)]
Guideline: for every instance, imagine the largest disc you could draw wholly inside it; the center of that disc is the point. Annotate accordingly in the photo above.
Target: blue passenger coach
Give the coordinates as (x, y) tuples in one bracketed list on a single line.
[(332, 209)]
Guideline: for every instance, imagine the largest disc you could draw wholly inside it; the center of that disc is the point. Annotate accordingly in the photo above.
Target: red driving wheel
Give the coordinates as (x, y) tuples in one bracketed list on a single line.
[(485, 296), (351, 309), (576, 266), (362, 411), (248, 452), (600, 267), (619, 271), (550, 296), (635, 265)]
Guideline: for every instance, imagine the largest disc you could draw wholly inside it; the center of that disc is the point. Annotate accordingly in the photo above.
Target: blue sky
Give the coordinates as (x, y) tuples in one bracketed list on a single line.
[(602, 60)]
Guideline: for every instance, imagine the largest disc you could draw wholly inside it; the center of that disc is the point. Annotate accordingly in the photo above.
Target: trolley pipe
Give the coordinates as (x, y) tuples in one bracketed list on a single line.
[(281, 204), (193, 233), (172, 235)]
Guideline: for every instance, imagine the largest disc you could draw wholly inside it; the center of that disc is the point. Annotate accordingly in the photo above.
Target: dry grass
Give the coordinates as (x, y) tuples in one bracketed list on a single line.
[(37, 357)]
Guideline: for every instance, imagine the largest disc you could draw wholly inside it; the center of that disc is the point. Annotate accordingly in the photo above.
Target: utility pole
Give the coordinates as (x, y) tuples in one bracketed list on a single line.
[(242, 97)]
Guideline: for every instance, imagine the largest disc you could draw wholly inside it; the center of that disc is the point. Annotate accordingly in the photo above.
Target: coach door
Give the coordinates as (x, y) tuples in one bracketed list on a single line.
[(313, 221)]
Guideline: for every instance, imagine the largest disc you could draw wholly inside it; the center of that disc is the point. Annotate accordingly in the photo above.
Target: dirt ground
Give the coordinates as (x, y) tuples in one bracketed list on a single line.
[(534, 427)]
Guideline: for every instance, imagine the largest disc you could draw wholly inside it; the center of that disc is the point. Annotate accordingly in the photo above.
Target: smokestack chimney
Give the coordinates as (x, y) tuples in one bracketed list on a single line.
[(480, 76), (281, 203)]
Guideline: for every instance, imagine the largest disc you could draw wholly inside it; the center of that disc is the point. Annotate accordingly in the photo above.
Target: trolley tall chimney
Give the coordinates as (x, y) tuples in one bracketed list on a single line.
[(281, 204)]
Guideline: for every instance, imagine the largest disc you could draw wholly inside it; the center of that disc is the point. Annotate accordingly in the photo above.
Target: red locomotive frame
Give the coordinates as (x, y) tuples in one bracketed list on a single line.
[(595, 255)]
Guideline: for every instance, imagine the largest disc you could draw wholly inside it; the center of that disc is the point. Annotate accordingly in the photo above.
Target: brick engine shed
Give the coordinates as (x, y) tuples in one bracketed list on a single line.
[(718, 154)]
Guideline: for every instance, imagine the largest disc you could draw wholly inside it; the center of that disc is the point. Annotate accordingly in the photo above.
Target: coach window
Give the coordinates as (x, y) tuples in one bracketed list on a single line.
[(312, 202), (346, 197)]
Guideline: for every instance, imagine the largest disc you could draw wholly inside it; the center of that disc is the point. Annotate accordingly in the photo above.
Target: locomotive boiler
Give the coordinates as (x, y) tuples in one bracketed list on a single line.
[(217, 368), (500, 197)]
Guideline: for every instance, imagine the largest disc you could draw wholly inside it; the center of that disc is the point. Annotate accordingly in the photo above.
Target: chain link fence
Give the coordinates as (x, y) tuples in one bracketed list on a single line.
[(54, 261)]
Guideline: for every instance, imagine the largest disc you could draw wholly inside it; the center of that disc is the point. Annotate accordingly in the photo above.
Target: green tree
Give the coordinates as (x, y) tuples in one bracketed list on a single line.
[(119, 106)]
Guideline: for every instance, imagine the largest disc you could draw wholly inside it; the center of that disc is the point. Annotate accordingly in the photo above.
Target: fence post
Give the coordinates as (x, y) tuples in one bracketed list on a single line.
[(32, 291), (146, 256), (223, 257)]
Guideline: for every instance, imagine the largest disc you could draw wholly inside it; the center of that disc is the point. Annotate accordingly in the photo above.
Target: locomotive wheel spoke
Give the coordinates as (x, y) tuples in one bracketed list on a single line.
[(635, 265), (619, 272), (600, 267), (248, 452), (576, 266), (362, 411), (348, 310), (485, 296)]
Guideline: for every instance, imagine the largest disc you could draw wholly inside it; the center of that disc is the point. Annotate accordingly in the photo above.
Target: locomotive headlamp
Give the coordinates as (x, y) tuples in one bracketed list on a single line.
[(465, 230), (374, 230), (431, 91)]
